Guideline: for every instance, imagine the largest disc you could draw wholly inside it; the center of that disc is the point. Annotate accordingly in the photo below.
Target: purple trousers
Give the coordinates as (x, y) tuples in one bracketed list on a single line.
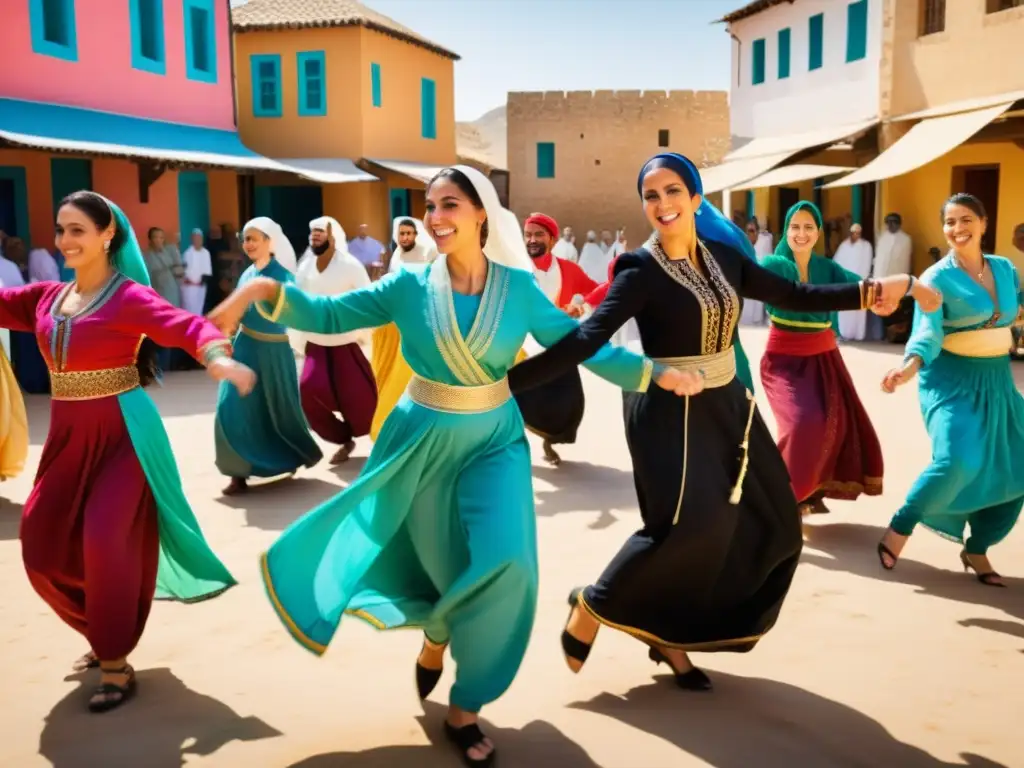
[(338, 380)]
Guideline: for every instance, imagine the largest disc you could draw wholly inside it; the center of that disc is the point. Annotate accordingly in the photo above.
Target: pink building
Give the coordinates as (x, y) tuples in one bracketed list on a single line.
[(131, 98)]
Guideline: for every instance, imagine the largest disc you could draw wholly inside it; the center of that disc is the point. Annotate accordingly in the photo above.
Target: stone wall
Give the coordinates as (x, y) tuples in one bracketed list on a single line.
[(601, 140)]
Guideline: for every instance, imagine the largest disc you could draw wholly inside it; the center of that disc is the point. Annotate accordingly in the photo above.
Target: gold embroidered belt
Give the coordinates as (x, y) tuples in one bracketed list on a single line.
[(452, 399), (260, 336), (92, 385), (984, 342), (718, 369)]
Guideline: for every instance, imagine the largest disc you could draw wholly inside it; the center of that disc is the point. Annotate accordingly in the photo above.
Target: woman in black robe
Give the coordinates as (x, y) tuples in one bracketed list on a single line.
[(721, 536)]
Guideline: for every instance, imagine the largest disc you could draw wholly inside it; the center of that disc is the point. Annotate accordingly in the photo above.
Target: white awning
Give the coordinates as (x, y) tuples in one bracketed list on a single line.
[(792, 143), (327, 170), (730, 175), (929, 139), (792, 174), (417, 171), (964, 105)]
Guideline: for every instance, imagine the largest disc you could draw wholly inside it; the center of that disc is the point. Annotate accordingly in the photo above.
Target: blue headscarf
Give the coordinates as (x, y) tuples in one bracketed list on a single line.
[(710, 223)]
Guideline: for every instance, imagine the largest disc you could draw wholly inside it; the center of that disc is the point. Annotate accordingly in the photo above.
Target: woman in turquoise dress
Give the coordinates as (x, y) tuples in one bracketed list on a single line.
[(971, 407), (438, 530), (266, 433)]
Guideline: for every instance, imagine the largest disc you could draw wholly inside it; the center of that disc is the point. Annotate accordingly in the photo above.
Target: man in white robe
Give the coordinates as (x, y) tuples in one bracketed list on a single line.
[(753, 310), (415, 246), (593, 259), (336, 376), (198, 272), (854, 254), (565, 248), (893, 256)]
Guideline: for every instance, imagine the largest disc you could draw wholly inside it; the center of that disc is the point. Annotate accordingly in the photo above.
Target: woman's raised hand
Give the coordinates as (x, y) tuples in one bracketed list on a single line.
[(893, 289), (241, 376), (229, 313)]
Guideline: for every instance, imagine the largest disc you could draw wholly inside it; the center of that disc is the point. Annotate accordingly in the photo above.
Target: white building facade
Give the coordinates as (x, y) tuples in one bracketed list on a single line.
[(803, 65)]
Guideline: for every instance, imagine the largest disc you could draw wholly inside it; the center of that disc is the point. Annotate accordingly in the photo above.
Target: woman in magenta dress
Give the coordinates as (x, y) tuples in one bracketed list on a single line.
[(107, 527)]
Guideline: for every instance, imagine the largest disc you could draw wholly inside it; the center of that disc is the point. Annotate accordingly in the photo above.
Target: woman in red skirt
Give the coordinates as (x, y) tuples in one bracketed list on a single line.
[(825, 435)]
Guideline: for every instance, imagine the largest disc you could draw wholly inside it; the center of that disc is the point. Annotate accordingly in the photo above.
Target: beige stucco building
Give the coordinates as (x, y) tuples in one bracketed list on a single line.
[(575, 155)]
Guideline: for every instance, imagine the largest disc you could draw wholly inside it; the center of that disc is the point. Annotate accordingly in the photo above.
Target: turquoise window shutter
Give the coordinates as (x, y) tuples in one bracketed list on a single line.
[(785, 37), (147, 24), (545, 160), (757, 75), (54, 31), (266, 85), (816, 41), (856, 31), (375, 89), (428, 108), (312, 69)]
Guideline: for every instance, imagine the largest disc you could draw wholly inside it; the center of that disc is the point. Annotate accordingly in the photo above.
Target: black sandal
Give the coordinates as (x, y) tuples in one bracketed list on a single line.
[(693, 680), (989, 579), (573, 647), (85, 662), (467, 737), (884, 552), (113, 695), (426, 678)]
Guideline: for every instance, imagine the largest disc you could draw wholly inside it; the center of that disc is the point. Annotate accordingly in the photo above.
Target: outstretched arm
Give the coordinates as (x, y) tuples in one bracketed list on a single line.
[(145, 312), (18, 306), (763, 284), (571, 344)]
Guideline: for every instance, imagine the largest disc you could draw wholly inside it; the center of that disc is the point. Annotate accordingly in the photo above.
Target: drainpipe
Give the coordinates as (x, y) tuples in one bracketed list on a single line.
[(739, 60), (231, 54)]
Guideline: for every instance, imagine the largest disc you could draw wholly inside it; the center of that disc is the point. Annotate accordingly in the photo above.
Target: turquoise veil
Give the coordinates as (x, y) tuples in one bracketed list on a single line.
[(188, 570)]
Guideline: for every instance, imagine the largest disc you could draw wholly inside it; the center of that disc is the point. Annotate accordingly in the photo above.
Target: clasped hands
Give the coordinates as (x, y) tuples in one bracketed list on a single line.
[(891, 290)]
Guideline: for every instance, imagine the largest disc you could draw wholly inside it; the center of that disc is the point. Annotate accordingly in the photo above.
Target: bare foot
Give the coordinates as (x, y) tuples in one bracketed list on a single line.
[(341, 455), (583, 627), (237, 486), (457, 720), (890, 548), (550, 455)]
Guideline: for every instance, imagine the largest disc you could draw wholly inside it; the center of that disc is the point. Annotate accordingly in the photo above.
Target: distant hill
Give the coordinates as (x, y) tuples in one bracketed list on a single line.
[(485, 139)]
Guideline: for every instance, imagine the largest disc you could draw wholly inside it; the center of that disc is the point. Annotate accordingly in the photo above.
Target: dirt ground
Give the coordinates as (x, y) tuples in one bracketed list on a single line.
[(918, 668)]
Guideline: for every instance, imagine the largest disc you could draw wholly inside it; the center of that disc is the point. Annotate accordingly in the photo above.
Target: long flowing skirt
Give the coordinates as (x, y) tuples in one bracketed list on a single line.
[(554, 410), (825, 435), (437, 532), (13, 423), (264, 434), (716, 579), (390, 371), (975, 418), (338, 380), (107, 527)]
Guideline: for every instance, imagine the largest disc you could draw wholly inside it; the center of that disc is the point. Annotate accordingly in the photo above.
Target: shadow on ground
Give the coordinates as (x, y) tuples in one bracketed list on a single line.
[(580, 485), (10, 518), (538, 744), (751, 721), (274, 505), (163, 724)]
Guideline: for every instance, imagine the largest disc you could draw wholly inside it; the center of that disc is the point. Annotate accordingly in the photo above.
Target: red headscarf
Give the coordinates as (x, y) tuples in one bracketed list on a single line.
[(545, 221)]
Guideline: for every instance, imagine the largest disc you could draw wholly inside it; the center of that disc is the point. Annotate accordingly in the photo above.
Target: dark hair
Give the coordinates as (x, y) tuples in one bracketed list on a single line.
[(149, 234), (405, 221), (460, 180), (968, 201), (100, 214), (753, 220)]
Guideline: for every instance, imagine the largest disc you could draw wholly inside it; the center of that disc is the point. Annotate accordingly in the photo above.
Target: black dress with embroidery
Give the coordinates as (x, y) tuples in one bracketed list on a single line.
[(715, 579)]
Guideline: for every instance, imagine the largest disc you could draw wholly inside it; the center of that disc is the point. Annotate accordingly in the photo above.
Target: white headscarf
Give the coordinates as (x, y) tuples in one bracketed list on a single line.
[(505, 243), (279, 245), (337, 232), (423, 252)]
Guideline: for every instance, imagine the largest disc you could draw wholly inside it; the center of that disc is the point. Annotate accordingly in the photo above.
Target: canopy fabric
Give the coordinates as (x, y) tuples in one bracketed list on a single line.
[(792, 174)]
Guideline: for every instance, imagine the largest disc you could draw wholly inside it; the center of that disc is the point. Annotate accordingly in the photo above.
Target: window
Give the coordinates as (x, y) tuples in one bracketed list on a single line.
[(816, 40), (312, 83), (200, 41), (147, 20), (757, 76), (784, 40), (375, 84), (933, 16), (428, 108), (266, 85), (856, 31), (53, 28), (663, 137), (545, 160), (995, 6)]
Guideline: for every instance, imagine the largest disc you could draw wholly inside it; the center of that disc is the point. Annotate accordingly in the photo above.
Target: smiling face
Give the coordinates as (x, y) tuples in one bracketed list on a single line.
[(79, 239), (538, 240), (963, 228), (668, 204), (802, 233), (255, 244), (452, 219)]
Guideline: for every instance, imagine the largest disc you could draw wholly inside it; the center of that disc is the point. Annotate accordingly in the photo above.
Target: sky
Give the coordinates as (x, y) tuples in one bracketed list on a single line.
[(571, 45)]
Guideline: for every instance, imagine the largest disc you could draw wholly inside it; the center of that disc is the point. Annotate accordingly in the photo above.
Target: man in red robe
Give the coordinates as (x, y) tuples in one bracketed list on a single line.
[(555, 410)]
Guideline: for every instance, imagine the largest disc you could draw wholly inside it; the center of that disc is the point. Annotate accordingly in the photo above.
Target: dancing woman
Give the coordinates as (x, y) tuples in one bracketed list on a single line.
[(265, 434), (438, 530), (721, 538), (390, 370), (825, 436), (107, 524), (971, 407), (13, 419)]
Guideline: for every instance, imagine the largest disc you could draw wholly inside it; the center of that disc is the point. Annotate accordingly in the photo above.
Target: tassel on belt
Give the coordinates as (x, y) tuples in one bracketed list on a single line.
[(448, 398), (92, 385), (718, 370)]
